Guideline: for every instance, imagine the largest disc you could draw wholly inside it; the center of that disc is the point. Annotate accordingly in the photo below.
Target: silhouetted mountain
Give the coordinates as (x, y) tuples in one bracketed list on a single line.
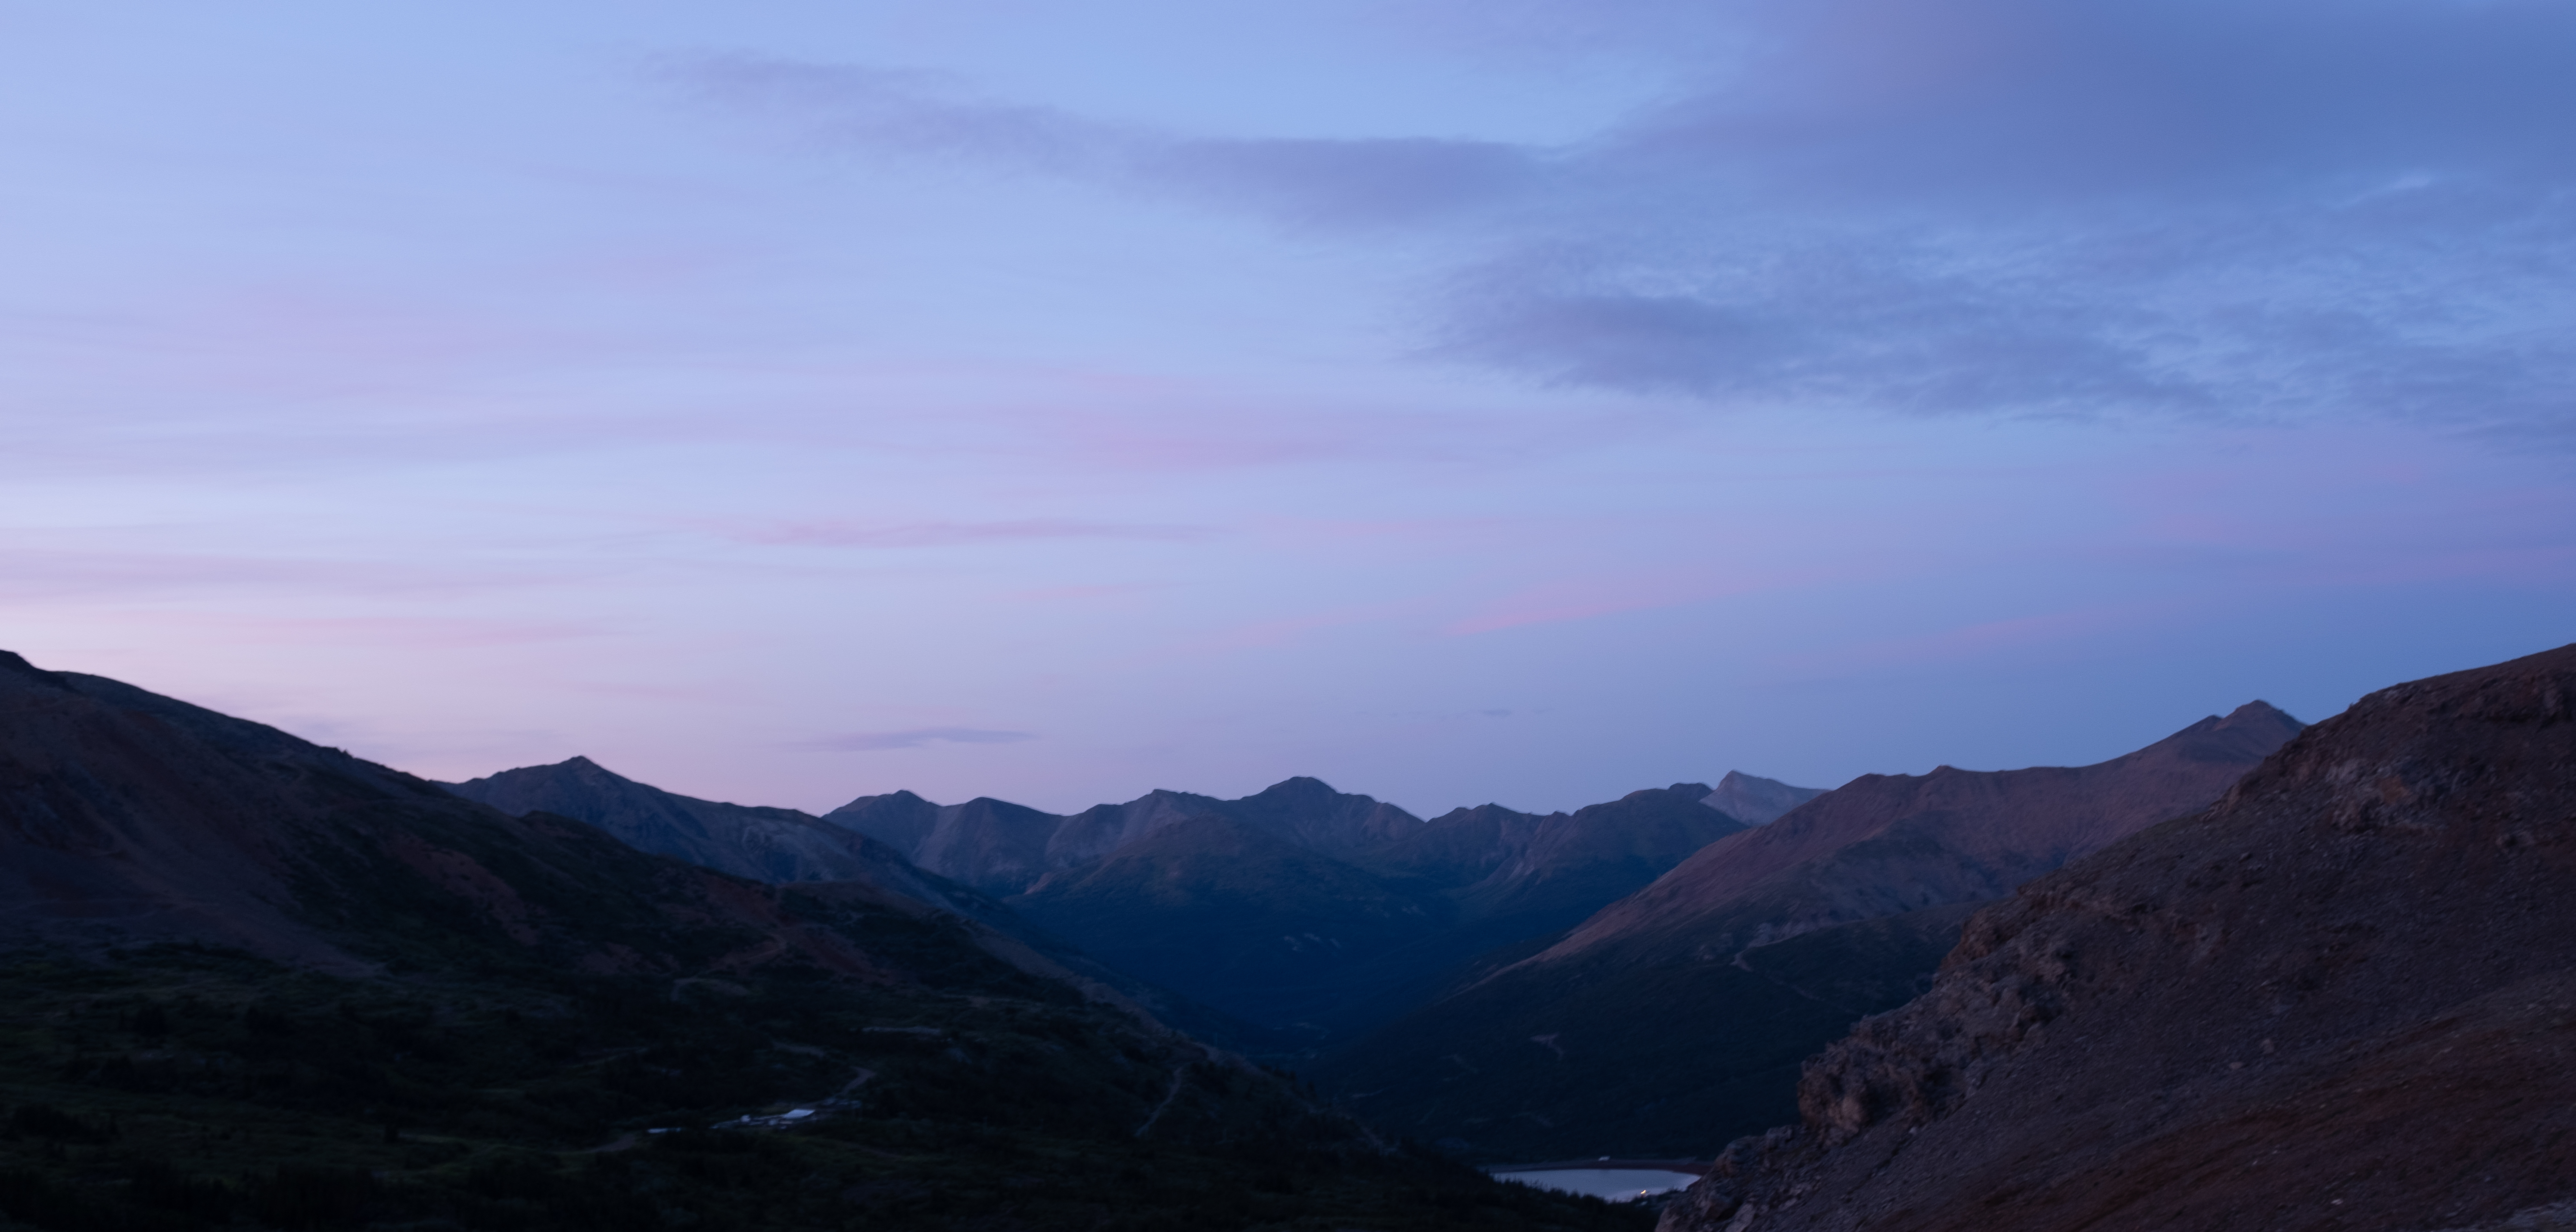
[(250, 982), (765, 844), (1247, 921), (1685, 1002), (1883, 844), (785, 845), (1757, 801), (1207, 916), (1280, 933), (900, 820), (2343, 996), (1510, 877), (1003, 848), (136, 818)]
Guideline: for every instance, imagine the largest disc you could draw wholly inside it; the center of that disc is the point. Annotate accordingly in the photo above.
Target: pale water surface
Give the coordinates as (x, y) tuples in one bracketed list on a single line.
[(1615, 1184)]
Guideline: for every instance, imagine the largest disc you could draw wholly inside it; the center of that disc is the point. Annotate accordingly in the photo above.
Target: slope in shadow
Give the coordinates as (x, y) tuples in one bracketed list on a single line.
[(1709, 985), (2343, 996)]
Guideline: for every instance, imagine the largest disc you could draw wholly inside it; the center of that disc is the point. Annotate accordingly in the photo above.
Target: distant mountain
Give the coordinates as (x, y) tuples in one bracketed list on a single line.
[(1514, 876), (1233, 915), (1383, 905), (1884, 844), (2344, 996), (765, 844), (785, 845), (1004, 848), (1278, 932), (1693, 999), (249, 982), (1757, 801)]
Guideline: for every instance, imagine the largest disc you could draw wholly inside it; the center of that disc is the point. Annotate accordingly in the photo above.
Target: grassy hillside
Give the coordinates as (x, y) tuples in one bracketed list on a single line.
[(178, 1087)]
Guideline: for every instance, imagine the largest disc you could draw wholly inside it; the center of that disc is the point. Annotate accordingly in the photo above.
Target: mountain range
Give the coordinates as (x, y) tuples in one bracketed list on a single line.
[(764, 844), (250, 981), (1299, 907), (2252, 975), (2341, 996), (1690, 1003)]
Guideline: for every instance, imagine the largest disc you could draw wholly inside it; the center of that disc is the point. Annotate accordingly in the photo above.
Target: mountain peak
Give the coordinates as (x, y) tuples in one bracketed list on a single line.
[(1757, 801), (15, 665), (2258, 711), (1301, 785)]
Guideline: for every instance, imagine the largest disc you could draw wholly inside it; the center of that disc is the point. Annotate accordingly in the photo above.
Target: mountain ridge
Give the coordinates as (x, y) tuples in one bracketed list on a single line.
[(1771, 939), (249, 981), (762, 843), (2342, 995)]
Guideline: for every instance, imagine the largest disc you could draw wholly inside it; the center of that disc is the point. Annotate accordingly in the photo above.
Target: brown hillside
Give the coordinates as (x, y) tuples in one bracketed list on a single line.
[(2342, 997)]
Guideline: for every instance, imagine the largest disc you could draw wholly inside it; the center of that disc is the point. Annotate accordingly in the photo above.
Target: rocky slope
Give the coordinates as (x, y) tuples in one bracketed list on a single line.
[(2344, 996), (1580, 1047)]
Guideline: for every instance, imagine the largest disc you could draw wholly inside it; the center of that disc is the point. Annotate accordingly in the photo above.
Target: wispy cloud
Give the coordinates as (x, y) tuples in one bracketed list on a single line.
[(913, 738), (1304, 183), (2279, 210), (859, 534)]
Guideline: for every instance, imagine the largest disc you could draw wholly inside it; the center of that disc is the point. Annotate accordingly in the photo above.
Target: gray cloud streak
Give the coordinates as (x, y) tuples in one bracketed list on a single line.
[(1317, 183), (2291, 209)]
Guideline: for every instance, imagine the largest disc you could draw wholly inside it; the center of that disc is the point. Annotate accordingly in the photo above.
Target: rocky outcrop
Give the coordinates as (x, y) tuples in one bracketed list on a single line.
[(2342, 996)]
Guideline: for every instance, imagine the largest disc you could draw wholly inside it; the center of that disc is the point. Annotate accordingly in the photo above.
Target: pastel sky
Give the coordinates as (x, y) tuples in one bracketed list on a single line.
[(1519, 400)]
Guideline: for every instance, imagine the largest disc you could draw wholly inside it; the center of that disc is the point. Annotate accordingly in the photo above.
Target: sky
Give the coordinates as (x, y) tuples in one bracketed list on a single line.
[(1524, 401)]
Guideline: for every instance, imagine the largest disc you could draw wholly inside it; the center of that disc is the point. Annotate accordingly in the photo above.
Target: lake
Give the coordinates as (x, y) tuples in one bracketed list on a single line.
[(1615, 1184)]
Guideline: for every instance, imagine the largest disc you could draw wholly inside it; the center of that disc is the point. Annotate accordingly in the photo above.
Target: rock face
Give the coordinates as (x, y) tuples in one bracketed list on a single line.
[(1692, 1001), (2344, 996)]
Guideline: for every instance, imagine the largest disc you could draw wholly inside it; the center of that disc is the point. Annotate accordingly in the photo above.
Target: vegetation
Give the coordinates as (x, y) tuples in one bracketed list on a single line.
[(180, 1087)]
